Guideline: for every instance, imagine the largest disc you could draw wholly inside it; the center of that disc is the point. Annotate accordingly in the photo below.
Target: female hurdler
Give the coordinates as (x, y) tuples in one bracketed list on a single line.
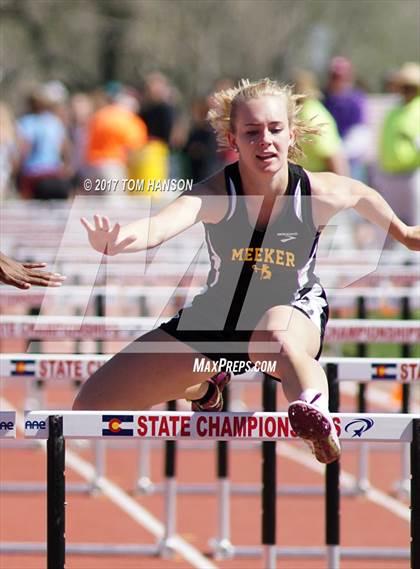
[(262, 216)]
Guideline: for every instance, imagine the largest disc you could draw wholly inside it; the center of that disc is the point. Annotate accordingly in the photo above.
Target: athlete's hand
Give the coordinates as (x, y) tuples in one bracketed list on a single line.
[(412, 238), (107, 239), (24, 275)]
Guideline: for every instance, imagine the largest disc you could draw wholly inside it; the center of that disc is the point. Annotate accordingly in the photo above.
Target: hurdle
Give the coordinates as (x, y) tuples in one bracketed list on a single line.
[(403, 485), (42, 368), (127, 328), (78, 367), (267, 427), (29, 368), (356, 293), (79, 295)]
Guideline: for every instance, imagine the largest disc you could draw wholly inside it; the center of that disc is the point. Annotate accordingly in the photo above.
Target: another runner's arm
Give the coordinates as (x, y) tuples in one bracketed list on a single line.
[(334, 193), (147, 233)]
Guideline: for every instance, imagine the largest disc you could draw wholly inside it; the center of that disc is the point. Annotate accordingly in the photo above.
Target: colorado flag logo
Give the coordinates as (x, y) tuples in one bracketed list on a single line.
[(112, 425), (22, 367), (383, 371)]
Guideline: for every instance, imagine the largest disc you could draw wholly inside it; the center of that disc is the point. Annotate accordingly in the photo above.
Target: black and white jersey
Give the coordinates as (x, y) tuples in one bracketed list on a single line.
[(253, 267)]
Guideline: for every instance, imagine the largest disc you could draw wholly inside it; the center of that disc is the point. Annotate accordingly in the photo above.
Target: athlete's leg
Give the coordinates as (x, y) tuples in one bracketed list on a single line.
[(295, 341), (138, 377)]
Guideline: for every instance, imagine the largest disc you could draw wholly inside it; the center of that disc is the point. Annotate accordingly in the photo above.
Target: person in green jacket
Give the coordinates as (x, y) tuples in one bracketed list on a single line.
[(322, 152), (399, 148)]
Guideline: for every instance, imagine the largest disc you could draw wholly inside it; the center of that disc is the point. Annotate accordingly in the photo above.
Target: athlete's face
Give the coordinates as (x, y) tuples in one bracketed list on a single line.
[(261, 133)]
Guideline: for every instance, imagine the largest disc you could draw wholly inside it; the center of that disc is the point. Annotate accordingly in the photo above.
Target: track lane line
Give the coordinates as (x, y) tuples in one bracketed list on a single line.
[(123, 501)]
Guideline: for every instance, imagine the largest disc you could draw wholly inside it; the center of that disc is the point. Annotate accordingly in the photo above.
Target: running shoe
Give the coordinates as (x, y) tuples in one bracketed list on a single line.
[(215, 403), (316, 427)]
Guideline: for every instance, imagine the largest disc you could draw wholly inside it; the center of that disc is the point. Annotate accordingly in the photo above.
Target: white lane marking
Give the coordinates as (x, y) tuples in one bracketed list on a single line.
[(123, 501), (373, 494)]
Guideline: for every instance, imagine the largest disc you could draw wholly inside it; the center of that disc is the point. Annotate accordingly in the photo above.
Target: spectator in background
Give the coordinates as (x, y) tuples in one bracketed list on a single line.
[(160, 114), (346, 103), (201, 147), (398, 178), (81, 111), (158, 107), (8, 151), (323, 152), (58, 95), (44, 150), (114, 132)]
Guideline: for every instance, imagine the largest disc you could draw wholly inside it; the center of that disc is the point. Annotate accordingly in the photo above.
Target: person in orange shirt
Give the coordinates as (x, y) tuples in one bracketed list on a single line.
[(114, 132)]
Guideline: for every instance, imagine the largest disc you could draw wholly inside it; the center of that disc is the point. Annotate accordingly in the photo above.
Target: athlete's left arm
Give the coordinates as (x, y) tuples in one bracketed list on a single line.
[(333, 194)]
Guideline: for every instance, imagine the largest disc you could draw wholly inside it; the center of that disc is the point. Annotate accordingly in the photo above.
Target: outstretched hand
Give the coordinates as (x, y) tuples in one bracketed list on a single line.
[(412, 238), (106, 239), (24, 275)]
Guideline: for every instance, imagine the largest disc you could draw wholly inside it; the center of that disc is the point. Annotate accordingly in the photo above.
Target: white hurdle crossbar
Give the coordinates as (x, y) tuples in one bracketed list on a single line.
[(126, 328), (80, 294), (79, 367), (186, 425), (268, 427)]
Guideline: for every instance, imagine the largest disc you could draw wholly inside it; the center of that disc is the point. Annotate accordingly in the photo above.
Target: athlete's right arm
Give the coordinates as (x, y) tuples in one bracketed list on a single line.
[(147, 233)]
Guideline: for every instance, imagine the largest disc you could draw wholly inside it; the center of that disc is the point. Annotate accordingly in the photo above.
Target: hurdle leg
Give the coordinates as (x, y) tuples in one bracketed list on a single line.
[(34, 394), (362, 483), (55, 494), (99, 472), (415, 496), (144, 483), (332, 485), (269, 490), (402, 486), (165, 546), (222, 546)]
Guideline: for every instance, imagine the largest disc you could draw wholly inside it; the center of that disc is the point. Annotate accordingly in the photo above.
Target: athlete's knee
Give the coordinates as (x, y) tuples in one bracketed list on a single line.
[(92, 398), (81, 404), (86, 401), (288, 345), (277, 344)]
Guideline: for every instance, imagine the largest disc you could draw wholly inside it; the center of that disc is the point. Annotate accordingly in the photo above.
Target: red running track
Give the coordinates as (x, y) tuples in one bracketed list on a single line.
[(300, 518)]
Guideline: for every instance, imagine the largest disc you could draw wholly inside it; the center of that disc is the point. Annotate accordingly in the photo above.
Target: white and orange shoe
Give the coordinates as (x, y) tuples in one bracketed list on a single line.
[(315, 426)]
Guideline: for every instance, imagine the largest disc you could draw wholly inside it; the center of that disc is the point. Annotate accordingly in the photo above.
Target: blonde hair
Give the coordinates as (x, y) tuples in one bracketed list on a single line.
[(224, 104)]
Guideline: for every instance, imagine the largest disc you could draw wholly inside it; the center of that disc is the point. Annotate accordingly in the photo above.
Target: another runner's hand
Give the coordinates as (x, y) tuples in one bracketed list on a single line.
[(106, 239), (24, 275)]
